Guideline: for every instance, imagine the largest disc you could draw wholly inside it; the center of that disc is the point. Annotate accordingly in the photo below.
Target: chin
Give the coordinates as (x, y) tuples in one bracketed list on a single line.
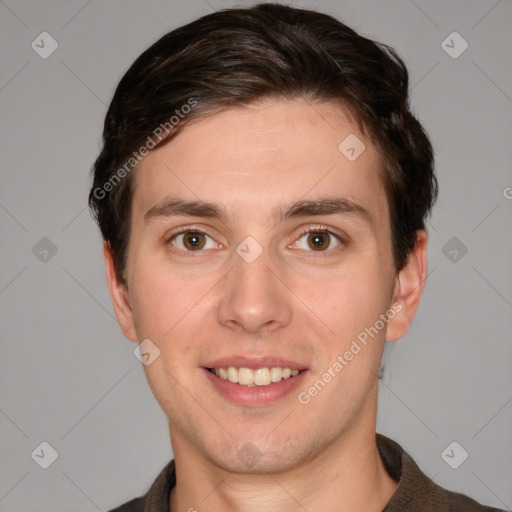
[(263, 456)]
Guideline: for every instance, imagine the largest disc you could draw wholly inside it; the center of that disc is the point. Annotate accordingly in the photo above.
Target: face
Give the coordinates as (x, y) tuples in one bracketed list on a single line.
[(257, 247)]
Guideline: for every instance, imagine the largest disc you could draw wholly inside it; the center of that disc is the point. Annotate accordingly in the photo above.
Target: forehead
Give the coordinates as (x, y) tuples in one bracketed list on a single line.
[(258, 158)]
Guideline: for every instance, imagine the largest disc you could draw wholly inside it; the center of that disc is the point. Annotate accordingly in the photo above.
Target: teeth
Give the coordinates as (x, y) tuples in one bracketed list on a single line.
[(276, 374), (245, 376), (262, 377), (232, 374), (250, 377)]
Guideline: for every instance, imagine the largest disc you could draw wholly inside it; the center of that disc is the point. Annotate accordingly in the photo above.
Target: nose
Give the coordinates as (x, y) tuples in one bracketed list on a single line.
[(253, 296)]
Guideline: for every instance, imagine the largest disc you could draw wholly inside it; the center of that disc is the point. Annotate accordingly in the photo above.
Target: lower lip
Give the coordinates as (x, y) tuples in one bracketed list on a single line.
[(255, 395)]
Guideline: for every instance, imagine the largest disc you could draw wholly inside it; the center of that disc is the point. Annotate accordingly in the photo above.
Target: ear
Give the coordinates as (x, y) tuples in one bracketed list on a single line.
[(409, 285), (119, 296)]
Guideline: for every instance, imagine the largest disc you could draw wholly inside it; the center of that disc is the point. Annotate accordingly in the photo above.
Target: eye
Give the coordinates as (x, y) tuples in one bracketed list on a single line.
[(192, 240), (318, 240)]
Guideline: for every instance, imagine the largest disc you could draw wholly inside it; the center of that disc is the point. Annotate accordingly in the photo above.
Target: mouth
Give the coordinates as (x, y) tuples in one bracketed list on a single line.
[(254, 381), (254, 377)]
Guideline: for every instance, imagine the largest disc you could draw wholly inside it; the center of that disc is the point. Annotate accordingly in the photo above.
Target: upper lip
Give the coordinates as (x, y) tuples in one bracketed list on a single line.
[(254, 363)]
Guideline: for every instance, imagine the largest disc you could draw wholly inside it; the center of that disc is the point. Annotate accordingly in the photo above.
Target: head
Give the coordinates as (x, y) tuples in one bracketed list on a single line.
[(246, 127)]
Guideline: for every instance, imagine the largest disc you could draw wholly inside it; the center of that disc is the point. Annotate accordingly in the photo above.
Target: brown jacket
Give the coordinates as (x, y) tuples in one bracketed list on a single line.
[(415, 492)]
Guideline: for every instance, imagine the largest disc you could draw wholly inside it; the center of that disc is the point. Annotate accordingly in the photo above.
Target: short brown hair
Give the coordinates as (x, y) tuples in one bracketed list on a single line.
[(236, 56)]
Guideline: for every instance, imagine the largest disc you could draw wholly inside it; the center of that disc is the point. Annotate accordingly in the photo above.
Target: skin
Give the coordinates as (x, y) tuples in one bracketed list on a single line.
[(294, 301)]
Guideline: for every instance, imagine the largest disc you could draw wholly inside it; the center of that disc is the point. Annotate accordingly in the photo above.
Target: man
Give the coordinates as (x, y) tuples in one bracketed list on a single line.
[(262, 192)]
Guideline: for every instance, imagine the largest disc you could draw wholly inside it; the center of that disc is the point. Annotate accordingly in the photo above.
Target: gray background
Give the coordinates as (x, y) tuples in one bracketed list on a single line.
[(67, 375)]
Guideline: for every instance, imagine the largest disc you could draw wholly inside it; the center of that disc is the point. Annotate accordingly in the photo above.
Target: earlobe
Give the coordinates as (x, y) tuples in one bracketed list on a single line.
[(119, 296), (409, 285)]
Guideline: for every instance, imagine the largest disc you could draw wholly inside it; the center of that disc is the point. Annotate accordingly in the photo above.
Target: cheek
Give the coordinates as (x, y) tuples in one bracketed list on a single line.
[(169, 308), (348, 300), (158, 303)]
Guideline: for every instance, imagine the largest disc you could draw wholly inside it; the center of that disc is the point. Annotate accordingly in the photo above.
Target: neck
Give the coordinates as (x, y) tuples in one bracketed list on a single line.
[(349, 475)]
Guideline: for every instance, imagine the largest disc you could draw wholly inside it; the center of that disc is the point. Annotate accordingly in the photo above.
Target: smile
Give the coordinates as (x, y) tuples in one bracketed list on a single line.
[(256, 377)]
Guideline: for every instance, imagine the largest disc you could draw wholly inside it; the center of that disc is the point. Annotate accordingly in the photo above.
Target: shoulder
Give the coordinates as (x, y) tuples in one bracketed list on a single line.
[(415, 490), (461, 503)]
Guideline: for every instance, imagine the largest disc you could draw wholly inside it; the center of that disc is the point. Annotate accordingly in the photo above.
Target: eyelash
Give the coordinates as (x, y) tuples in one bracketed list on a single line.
[(305, 231)]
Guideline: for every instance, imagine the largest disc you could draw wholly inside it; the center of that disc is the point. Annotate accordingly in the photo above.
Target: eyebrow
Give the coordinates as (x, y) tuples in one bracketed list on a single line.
[(326, 206)]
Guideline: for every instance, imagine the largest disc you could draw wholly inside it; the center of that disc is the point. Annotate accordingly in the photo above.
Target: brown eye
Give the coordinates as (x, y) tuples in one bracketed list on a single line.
[(191, 241), (318, 241)]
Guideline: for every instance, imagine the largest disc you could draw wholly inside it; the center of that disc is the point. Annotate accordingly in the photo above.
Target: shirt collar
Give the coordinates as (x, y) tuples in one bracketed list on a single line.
[(415, 490)]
